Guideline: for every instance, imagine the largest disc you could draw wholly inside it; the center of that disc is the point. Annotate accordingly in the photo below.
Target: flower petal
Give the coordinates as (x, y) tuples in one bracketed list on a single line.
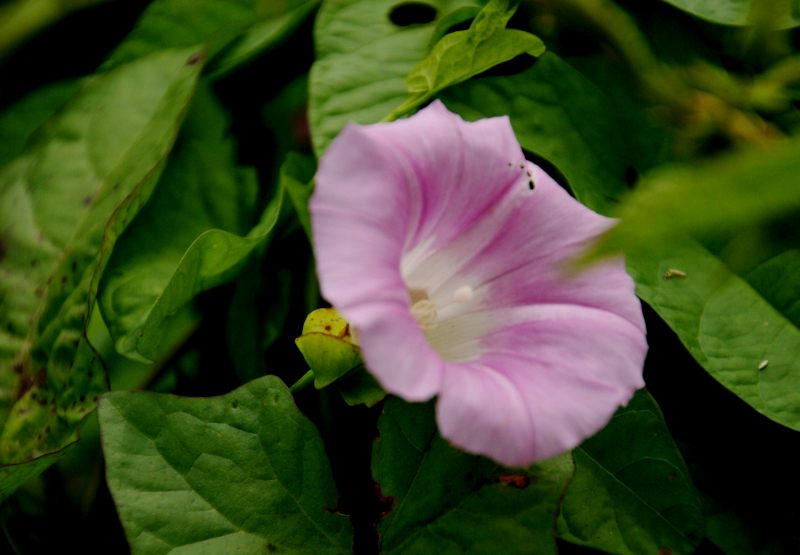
[(454, 171), (482, 411), (569, 367), (396, 352)]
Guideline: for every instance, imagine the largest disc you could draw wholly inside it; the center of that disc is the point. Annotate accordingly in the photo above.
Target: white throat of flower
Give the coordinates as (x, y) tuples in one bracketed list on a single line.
[(448, 322), (445, 302), (426, 311)]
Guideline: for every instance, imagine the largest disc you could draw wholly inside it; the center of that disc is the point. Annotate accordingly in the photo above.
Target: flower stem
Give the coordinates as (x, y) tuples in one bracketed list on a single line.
[(304, 381)]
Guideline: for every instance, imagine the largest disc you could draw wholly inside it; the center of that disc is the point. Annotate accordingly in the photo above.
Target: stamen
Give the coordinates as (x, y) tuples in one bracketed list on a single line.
[(425, 313), (463, 294)]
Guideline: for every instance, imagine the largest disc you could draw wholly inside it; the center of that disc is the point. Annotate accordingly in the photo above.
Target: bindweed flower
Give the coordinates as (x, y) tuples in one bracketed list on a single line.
[(445, 249)]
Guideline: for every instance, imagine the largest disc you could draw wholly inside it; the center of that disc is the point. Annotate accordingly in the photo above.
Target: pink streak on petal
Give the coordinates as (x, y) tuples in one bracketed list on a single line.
[(534, 234), (573, 366), (563, 228), (455, 171), (481, 411)]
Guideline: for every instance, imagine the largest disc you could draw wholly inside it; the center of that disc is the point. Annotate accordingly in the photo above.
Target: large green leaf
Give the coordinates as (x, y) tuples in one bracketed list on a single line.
[(729, 328), (632, 492), (464, 54), (446, 501), (186, 240), (362, 61), (784, 13), (241, 473), (744, 334), (558, 114), (233, 31), (22, 119), (63, 204), (173, 251)]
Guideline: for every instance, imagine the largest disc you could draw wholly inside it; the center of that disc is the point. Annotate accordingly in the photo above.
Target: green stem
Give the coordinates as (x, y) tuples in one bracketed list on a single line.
[(304, 381)]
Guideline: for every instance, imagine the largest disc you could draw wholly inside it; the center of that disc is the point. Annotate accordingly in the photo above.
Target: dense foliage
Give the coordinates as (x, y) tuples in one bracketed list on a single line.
[(156, 271)]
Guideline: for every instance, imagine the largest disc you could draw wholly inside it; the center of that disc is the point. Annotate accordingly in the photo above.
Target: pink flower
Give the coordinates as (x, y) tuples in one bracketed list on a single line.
[(445, 250)]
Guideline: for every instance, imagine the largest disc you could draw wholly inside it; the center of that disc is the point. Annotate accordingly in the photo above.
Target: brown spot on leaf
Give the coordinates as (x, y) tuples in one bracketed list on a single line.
[(194, 58), (328, 327), (663, 550), (25, 384), (518, 481), (87, 200), (385, 504)]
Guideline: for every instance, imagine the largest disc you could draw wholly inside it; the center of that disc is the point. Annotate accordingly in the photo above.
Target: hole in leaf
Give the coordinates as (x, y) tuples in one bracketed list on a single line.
[(515, 65), (412, 13)]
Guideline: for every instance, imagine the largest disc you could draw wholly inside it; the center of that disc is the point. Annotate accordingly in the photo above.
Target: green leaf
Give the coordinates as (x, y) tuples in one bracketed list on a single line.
[(298, 181), (362, 61), (446, 501), (187, 240), (711, 200), (560, 115), (464, 54), (233, 31), (18, 122), (63, 204), (243, 473), (632, 492), (744, 334), (785, 14), (727, 326), (358, 387), (775, 279), (276, 24)]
